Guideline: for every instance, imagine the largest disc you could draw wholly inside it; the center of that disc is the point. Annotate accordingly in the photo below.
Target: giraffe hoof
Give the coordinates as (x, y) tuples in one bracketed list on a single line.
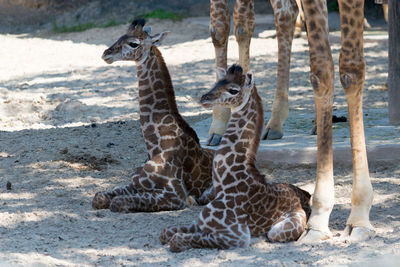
[(164, 238), (272, 134), (313, 236), (214, 140), (176, 244), (357, 234), (100, 201)]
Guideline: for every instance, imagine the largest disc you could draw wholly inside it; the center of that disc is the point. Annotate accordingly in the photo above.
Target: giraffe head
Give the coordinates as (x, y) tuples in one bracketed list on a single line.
[(135, 45), (232, 89)]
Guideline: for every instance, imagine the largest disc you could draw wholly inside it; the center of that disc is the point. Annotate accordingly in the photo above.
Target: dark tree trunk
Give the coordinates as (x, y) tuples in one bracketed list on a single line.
[(394, 62)]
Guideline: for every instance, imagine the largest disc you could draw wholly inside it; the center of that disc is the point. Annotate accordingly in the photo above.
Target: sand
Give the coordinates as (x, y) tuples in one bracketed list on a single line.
[(69, 128)]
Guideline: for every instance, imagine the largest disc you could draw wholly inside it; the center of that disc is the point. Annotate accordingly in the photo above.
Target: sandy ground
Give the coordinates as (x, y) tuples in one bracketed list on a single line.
[(69, 128)]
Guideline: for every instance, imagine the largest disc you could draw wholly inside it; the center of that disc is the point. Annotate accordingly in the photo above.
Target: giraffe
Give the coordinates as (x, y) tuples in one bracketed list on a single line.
[(352, 75), (245, 204), (178, 171)]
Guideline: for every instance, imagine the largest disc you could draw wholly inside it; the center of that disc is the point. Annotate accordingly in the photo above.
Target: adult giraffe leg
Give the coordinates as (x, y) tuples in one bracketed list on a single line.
[(219, 31), (352, 74), (321, 77), (243, 27), (285, 12)]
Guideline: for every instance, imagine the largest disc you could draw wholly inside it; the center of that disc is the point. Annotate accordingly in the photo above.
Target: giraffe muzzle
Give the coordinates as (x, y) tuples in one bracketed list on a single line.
[(107, 56), (206, 100)]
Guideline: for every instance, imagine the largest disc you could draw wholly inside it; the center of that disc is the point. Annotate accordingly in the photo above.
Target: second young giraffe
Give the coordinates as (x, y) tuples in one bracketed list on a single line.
[(178, 169), (245, 204)]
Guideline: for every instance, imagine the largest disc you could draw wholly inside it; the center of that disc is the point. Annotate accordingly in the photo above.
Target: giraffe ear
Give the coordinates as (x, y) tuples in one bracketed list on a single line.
[(147, 30), (158, 38), (249, 80), (221, 73)]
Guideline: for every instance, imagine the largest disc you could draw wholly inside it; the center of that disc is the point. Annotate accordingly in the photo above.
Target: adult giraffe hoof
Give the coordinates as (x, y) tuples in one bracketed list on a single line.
[(357, 234), (272, 134), (214, 140), (312, 236)]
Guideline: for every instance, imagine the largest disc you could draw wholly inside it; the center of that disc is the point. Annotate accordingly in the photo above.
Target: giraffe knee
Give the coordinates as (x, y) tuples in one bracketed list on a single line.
[(219, 35), (322, 83), (352, 79), (288, 229), (244, 31)]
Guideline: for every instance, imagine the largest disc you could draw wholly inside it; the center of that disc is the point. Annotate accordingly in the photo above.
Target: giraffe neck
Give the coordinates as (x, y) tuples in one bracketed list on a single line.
[(157, 102), (241, 140)]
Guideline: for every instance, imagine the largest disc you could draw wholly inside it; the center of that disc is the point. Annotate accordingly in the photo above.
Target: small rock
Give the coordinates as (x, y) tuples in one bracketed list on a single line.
[(110, 144), (94, 125), (8, 186)]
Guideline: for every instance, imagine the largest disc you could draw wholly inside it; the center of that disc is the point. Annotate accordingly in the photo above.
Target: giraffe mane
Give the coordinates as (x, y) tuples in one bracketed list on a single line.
[(259, 126), (171, 97)]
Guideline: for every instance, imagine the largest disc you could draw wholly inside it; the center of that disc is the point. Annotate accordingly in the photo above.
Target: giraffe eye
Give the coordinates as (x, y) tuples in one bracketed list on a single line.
[(133, 45), (233, 91)]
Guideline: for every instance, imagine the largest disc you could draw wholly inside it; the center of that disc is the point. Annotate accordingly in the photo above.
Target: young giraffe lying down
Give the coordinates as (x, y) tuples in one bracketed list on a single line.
[(178, 169), (245, 204)]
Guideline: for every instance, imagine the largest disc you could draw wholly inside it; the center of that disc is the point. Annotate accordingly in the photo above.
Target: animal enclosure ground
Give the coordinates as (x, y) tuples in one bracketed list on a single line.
[(69, 128)]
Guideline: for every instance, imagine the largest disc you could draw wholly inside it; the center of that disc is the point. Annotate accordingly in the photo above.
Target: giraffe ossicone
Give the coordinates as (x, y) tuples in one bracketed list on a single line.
[(245, 204), (178, 172)]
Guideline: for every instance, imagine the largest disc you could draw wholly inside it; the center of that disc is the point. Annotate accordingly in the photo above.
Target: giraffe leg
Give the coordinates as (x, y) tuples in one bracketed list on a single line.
[(168, 232), (243, 27), (103, 199), (288, 228), (147, 201), (234, 236), (321, 77), (219, 31), (285, 12), (352, 73)]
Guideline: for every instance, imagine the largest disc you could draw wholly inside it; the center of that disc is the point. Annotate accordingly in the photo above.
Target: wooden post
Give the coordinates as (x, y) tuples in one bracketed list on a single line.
[(394, 62)]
